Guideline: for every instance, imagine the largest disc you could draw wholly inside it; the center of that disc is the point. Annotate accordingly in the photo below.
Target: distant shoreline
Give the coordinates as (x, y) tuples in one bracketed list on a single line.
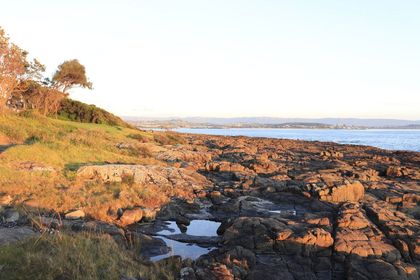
[(390, 139), (271, 127), (257, 123)]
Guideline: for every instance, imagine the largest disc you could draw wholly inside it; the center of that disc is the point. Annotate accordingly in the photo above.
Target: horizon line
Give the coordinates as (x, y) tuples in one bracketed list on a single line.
[(266, 117)]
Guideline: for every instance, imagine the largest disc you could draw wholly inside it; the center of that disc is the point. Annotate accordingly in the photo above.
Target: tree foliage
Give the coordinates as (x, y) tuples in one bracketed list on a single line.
[(46, 100), (12, 67), (23, 84), (70, 74)]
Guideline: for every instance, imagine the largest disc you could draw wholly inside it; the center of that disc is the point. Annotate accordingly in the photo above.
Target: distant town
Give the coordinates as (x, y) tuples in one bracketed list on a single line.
[(271, 123)]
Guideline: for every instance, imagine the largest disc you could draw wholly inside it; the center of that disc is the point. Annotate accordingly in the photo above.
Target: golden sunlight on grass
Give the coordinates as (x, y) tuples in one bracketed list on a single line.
[(39, 166)]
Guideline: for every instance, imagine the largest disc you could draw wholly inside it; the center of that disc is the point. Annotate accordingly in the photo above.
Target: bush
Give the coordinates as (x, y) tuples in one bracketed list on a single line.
[(80, 112), (32, 140)]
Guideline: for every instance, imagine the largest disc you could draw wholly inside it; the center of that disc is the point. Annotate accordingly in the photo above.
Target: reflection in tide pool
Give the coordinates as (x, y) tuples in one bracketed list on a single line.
[(171, 228), (196, 228), (203, 228), (184, 250), (286, 212)]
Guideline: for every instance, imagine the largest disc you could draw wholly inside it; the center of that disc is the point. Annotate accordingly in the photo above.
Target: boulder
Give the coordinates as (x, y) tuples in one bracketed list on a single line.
[(11, 216), (144, 174), (131, 216), (14, 234), (394, 171), (75, 215), (345, 192)]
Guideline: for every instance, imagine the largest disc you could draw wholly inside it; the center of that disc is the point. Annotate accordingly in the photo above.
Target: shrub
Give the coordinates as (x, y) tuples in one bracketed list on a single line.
[(80, 112), (32, 140)]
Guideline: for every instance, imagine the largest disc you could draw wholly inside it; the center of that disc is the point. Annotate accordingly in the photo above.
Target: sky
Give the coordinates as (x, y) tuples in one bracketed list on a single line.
[(231, 58)]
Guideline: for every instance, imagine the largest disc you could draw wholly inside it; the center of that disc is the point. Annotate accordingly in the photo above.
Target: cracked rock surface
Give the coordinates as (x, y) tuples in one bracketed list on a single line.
[(305, 210)]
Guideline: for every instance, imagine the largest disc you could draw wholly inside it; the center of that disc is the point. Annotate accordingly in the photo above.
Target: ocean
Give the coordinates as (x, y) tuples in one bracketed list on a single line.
[(391, 139)]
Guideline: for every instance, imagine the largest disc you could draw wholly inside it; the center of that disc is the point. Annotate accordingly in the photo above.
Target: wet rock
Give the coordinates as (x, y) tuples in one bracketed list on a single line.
[(149, 246), (178, 210)]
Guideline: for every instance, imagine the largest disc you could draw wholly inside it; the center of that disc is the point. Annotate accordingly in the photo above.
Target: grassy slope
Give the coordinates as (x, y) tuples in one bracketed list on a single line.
[(64, 146)]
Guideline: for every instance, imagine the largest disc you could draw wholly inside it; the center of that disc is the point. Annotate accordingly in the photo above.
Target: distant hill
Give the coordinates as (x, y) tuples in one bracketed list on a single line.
[(379, 123)]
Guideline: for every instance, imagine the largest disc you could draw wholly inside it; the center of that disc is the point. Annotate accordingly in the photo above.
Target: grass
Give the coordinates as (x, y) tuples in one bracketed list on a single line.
[(169, 138), (77, 256), (42, 137), (64, 146)]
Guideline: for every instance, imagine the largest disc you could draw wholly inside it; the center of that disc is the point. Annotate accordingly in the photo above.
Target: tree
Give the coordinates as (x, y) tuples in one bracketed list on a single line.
[(44, 99), (70, 74), (23, 86), (15, 69), (13, 66)]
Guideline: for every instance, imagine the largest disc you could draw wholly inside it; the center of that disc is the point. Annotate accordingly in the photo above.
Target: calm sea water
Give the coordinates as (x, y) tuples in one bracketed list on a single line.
[(392, 139)]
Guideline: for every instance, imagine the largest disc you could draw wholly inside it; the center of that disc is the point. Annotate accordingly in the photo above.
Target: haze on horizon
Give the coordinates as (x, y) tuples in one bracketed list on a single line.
[(307, 59)]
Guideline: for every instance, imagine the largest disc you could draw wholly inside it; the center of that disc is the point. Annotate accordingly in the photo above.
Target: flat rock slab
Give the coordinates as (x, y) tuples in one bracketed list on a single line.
[(144, 174), (8, 235)]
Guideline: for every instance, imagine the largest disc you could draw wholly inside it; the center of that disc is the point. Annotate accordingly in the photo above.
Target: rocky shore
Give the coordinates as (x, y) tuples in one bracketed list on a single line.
[(259, 208)]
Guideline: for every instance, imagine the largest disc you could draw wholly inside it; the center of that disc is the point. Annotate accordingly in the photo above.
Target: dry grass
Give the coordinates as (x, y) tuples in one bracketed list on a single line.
[(61, 147), (77, 256), (168, 138)]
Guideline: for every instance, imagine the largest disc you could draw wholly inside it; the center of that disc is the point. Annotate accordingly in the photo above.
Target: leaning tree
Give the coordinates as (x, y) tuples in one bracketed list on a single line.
[(70, 73)]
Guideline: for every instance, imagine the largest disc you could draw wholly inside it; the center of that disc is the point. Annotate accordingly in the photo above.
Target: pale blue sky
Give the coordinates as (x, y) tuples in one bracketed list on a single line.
[(232, 58)]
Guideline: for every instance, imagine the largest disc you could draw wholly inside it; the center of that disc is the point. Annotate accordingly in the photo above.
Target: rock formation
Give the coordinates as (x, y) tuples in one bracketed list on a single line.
[(287, 209)]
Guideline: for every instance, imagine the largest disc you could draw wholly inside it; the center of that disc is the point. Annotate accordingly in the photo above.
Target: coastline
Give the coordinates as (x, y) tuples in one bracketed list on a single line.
[(381, 138), (270, 203)]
